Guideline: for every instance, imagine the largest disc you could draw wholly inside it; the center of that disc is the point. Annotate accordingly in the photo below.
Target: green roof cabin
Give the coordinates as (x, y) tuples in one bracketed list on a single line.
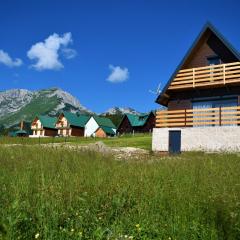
[(71, 124), (137, 123), (44, 126)]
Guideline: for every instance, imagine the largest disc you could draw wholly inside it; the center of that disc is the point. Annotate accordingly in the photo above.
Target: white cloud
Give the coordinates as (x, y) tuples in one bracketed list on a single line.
[(118, 74), (46, 53), (8, 61), (69, 53)]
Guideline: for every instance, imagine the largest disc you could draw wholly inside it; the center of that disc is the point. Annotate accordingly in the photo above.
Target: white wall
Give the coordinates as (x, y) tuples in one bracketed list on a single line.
[(225, 138), (36, 129), (90, 127)]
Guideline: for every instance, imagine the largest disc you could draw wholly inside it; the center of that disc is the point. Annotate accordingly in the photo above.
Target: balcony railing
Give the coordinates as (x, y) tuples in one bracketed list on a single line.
[(215, 75), (220, 116)]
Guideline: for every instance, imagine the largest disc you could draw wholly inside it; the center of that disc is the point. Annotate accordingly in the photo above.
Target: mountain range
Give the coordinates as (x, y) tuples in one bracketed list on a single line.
[(22, 104)]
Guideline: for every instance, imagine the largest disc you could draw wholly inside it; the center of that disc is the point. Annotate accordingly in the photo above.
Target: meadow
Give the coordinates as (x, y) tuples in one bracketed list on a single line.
[(54, 193), (138, 140)]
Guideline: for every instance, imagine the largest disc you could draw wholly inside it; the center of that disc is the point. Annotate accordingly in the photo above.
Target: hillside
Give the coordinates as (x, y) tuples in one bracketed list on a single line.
[(21, 104)]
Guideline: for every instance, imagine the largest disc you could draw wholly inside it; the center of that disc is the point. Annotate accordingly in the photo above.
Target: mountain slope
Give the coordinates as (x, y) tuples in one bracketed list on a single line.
[(21, 104), (120, 111)]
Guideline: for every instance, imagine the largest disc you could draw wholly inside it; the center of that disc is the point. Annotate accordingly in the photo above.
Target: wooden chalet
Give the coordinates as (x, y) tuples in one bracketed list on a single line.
[(71, 124), (137, 123), (205, 88), (44, 126)]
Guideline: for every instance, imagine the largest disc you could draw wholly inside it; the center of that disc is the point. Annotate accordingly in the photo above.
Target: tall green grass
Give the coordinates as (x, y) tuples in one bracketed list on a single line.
[(138, 140), (49, 193)]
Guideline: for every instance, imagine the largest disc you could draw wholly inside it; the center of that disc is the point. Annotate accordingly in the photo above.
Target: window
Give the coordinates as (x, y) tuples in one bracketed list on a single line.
[(214, 60), (214, 103)]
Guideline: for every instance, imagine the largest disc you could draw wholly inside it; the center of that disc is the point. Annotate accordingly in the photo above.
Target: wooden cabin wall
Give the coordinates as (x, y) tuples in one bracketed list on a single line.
[(100, 133), (179, 104), (50, 132), (125, 126), (199, 59), (77, 132), (149, 125)]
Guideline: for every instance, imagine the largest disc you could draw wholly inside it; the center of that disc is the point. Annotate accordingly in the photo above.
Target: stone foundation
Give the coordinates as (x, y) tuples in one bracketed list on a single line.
[(213, 139)]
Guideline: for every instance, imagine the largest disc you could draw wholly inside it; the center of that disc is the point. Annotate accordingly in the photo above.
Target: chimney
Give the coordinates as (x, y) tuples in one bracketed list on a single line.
[(21, 125)]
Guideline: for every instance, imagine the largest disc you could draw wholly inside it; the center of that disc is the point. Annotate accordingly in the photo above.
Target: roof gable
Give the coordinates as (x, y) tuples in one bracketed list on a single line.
[(214, 39), (76, 120), (103, 121), (137, 120), (47, 122), (107, 130)]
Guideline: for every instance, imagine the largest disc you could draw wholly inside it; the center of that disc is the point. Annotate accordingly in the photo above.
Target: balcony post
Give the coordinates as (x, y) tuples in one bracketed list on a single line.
[(193, 77), (220, 116), (185, 117), (224, 81)]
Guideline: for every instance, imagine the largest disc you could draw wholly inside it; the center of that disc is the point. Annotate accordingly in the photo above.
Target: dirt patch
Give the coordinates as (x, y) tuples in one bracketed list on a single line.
[(118, 153)]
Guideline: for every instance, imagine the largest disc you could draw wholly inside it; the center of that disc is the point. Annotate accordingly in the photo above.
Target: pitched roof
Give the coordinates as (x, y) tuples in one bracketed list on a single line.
[(21, 132), (48, 122), (76, 120), (104, 122), (137, 120), (108, 130), (207, 26)]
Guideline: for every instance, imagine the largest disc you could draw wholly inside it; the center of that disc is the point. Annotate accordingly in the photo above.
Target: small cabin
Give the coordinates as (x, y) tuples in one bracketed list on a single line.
[(44, 126), (104, 131), (100, 127), (23, 129), (132, 123), (71, 124), (202, 97)]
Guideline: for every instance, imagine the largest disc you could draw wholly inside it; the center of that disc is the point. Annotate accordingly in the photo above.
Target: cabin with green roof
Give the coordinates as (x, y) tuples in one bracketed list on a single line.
[(44, 126), (71, 124), (100, 127), (133, 123)]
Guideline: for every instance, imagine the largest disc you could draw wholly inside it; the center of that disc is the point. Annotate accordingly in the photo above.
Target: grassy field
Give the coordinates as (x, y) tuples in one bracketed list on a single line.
[(139, 140), (59, 194)]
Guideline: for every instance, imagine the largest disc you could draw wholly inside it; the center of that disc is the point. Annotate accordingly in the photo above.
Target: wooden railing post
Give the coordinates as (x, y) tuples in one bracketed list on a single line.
[(224, 69), (220, 116), (185, 117), (193, 77)]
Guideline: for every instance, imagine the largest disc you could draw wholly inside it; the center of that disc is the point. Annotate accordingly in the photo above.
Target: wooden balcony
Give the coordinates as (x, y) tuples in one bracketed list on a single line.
[(221, 116), (210, 76)]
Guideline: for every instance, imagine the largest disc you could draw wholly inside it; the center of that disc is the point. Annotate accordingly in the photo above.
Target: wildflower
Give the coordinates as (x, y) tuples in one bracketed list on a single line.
[(100, 218), (130, 237), (80, 234), (72, 230), (137, 225), (37, 235)]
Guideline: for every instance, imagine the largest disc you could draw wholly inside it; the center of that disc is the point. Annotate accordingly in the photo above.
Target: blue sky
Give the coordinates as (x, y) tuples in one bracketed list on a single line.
[(139, 42)]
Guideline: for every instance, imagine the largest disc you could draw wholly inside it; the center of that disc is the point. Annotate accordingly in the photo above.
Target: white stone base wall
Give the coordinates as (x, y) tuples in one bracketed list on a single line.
[(213, 139)]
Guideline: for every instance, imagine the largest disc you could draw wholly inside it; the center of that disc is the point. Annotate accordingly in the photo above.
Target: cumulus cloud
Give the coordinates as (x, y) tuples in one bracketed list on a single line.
[(118, 74), (8, 61), (46, 53)]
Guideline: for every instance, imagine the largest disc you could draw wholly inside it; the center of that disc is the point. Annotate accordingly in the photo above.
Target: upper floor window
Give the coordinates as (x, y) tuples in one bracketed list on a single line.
[(214, 60)]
